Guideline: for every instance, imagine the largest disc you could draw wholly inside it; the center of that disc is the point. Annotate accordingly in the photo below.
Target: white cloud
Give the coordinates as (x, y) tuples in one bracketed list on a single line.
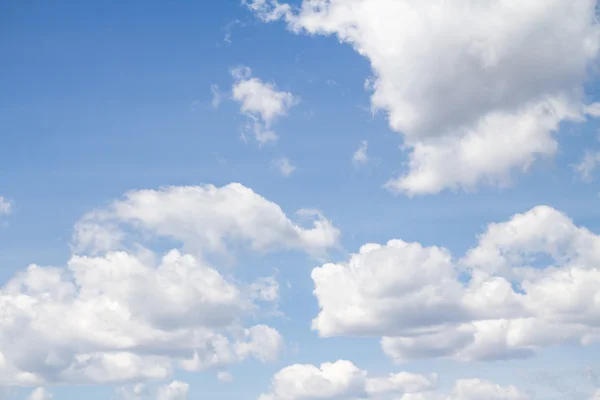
[(477, 89), (360, 156), (596, 395), (530, 283), (343, 380), (217, 96), (128, 321), (40, 394), (224, 376), (284, 166), (5, 206), (587, 165), (261, 102), (472, 389), (265, 289), (204, 219), (136, 314), (174, 391), (135, 392)]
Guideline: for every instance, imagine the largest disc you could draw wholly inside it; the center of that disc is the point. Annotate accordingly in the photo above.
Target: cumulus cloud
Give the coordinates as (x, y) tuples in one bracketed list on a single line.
[(137, 314), (261, 102), (530, 283), (360, 156), (176, 390), (284, 166), (343, 380), (477, 89), (5, 206), (204, 218), (40, 394)]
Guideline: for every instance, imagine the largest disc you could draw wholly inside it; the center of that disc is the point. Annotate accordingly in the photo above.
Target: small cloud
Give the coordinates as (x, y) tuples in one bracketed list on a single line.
[(284, 166), (587, 165), (228, 28), (5, 206), (217, 96), (360, 156), (331, 82), (174, 391), (261, 102), (224, 376)]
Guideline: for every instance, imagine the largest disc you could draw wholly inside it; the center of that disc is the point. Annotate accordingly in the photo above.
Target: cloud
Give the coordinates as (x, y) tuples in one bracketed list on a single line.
[(5, 206), (530, 283), (224, 376), (343, 380), (596, 395), (261, 102), (217, 96), (360, 156), (138, 314), (284, 166), (174, 391), (477, 90), (205, 219), (40, 394), (587, 165)]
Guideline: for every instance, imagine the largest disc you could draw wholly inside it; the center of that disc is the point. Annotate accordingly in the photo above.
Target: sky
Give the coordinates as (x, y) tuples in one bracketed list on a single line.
[(299, 200)]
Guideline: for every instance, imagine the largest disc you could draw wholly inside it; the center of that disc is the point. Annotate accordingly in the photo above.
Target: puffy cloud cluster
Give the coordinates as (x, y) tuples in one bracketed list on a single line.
[(343, 380), (124, 313), (261, 102), (477, 89), (530, 283)]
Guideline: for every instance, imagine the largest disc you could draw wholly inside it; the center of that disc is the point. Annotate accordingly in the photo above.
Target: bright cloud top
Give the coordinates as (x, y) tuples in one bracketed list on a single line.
[(205, 219), (343, 380), (530, 283), (477, 89), (261, 102), (136, 314)]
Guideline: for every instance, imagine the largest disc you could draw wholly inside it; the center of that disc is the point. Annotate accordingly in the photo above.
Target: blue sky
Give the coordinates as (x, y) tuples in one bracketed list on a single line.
[(100, 99)]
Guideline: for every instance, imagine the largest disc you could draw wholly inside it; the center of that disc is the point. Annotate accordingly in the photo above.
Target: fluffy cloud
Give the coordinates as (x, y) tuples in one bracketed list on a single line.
[(530, 283), (174, 391), (477, 89), (343, 380), (5, 206), (40, 394), (261, 102), (205, 219), (124, 313), (127, 321), (360, 156)]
